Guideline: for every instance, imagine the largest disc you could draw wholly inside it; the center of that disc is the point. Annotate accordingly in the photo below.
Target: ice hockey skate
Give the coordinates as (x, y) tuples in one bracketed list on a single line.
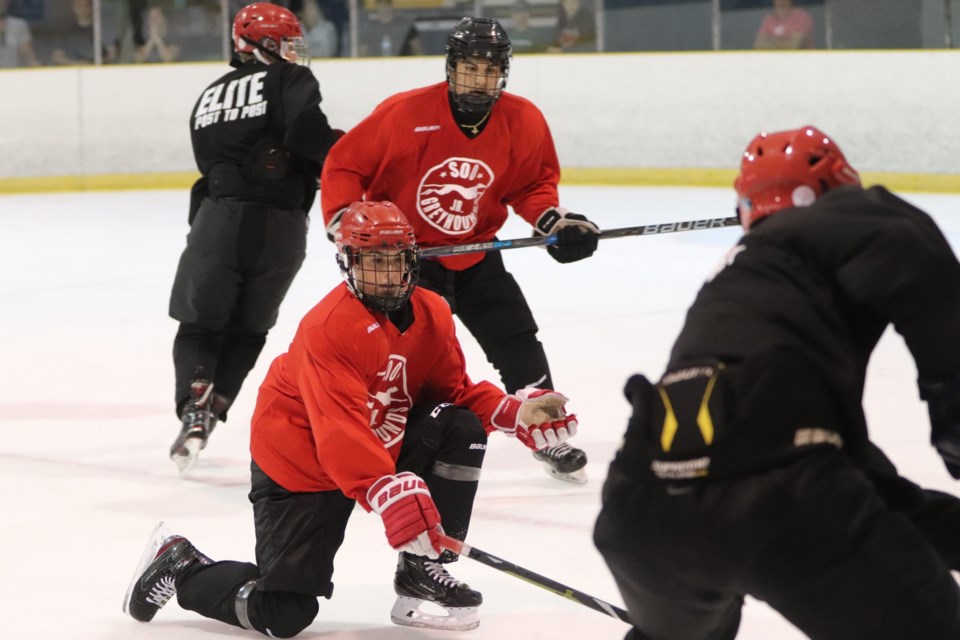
[(163, 559), (564, 462), (198, 420), (420, 581)]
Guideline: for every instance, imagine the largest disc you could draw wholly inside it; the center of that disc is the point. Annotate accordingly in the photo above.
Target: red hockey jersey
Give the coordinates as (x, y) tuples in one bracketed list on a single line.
[(452, 189), (332, 411)]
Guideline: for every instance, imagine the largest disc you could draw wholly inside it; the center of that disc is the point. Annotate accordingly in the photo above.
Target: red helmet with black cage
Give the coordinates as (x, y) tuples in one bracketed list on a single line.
[(378, 255)]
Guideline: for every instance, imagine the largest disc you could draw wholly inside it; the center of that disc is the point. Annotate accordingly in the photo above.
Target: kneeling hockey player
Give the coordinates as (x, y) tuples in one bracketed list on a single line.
[(371, 404)]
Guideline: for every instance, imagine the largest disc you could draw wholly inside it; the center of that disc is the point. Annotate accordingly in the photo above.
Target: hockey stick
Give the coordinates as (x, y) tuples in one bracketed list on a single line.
[(536, 241), (463, 549)]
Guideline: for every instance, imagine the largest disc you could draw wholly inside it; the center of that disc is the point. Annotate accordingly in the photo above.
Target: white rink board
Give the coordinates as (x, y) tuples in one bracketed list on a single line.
[(891, 111)]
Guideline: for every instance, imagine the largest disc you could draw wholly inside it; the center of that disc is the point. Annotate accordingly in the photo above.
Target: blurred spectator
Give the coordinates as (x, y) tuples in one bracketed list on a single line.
[(156, 35), (75, 46), (336, 11), (388, 34), (16, 44), (320, 34), (786, 27), (525, 38), (132, 23), (576, 28)]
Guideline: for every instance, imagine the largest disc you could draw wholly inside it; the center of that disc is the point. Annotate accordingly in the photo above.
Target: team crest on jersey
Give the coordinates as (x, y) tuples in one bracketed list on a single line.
[(389, 401), (449, 194)]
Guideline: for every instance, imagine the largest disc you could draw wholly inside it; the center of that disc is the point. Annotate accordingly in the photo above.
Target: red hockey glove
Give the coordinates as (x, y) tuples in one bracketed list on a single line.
[(409, 516), (536, 417), (577, 237)]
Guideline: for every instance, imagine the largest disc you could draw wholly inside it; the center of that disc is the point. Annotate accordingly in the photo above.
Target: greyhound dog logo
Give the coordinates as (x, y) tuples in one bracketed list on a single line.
[(389, 402), (449, 194)]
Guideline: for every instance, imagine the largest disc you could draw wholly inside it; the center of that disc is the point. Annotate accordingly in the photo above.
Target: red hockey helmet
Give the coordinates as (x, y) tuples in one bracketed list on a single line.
[(378, 255), (788, 169), (268, 29)]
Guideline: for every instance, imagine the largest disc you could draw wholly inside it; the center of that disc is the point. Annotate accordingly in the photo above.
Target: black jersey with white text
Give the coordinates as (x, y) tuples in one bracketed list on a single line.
[(247, 130)]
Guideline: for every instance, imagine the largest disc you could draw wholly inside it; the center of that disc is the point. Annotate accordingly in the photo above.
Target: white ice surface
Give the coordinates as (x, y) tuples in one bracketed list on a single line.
[(86, 417)]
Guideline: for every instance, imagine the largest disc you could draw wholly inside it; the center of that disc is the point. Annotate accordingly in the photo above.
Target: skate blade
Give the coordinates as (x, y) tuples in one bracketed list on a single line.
[(160, 533), (575, 477), (186, 456), (406, 612)]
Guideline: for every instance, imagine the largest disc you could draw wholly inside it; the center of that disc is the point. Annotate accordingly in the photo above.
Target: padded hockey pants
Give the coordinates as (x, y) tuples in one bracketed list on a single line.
[(298, 534), (813, 539), (236, 269)]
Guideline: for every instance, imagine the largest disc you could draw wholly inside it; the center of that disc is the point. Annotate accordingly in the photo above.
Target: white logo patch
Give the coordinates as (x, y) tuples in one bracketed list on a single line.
[(389, 401), (803, 196), (448, 197)]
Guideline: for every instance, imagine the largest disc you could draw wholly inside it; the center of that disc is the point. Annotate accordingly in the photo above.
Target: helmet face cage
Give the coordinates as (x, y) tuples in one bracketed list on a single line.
[(378, 255), (481, 40), (293, 50), (271, 33), (383, 278), (789, 169)]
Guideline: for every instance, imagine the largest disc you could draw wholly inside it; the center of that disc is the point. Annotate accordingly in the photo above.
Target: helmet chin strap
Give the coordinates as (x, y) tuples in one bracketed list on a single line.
[(264, 55)]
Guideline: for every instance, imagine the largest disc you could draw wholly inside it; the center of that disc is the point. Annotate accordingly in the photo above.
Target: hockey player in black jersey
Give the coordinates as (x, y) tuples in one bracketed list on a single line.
[(747, 469), (259, 138)]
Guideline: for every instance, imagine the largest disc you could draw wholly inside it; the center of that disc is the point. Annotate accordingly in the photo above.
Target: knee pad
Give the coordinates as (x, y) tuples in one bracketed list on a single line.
[(278, 614), (458, 424), (462, 441)]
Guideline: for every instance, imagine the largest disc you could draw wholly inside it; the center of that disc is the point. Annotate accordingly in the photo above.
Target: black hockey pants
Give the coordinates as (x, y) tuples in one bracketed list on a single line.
[(934, 513), (813, 539), (489, 302), (298, 534), (236, 269)]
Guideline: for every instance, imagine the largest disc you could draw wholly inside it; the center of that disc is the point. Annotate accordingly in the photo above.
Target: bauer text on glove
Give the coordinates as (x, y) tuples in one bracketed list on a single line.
[(537, 417), (410, 518)]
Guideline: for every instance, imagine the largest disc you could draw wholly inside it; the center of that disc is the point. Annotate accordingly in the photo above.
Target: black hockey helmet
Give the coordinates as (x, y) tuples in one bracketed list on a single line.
[(478, 38)]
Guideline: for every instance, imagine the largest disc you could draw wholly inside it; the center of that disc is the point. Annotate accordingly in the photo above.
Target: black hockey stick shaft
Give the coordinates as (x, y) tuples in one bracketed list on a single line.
[(537, 241), (463, 549)]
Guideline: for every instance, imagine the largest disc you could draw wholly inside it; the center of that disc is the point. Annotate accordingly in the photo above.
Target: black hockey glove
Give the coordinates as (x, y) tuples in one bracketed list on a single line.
[(577, 237), (943, 401)]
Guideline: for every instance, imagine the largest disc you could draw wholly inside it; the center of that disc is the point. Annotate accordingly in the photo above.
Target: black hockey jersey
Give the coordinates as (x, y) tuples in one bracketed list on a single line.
[(259, 134), (825, 281)]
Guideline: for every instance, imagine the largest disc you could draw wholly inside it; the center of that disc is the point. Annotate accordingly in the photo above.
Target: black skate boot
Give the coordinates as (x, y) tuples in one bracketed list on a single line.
[(419, 580), (564, 462), (165, 557), (198, 419)]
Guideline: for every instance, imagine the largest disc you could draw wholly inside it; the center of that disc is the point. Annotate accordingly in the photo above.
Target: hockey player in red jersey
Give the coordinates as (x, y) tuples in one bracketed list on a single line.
[(453, 156), (371, 404), (747, 470)]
